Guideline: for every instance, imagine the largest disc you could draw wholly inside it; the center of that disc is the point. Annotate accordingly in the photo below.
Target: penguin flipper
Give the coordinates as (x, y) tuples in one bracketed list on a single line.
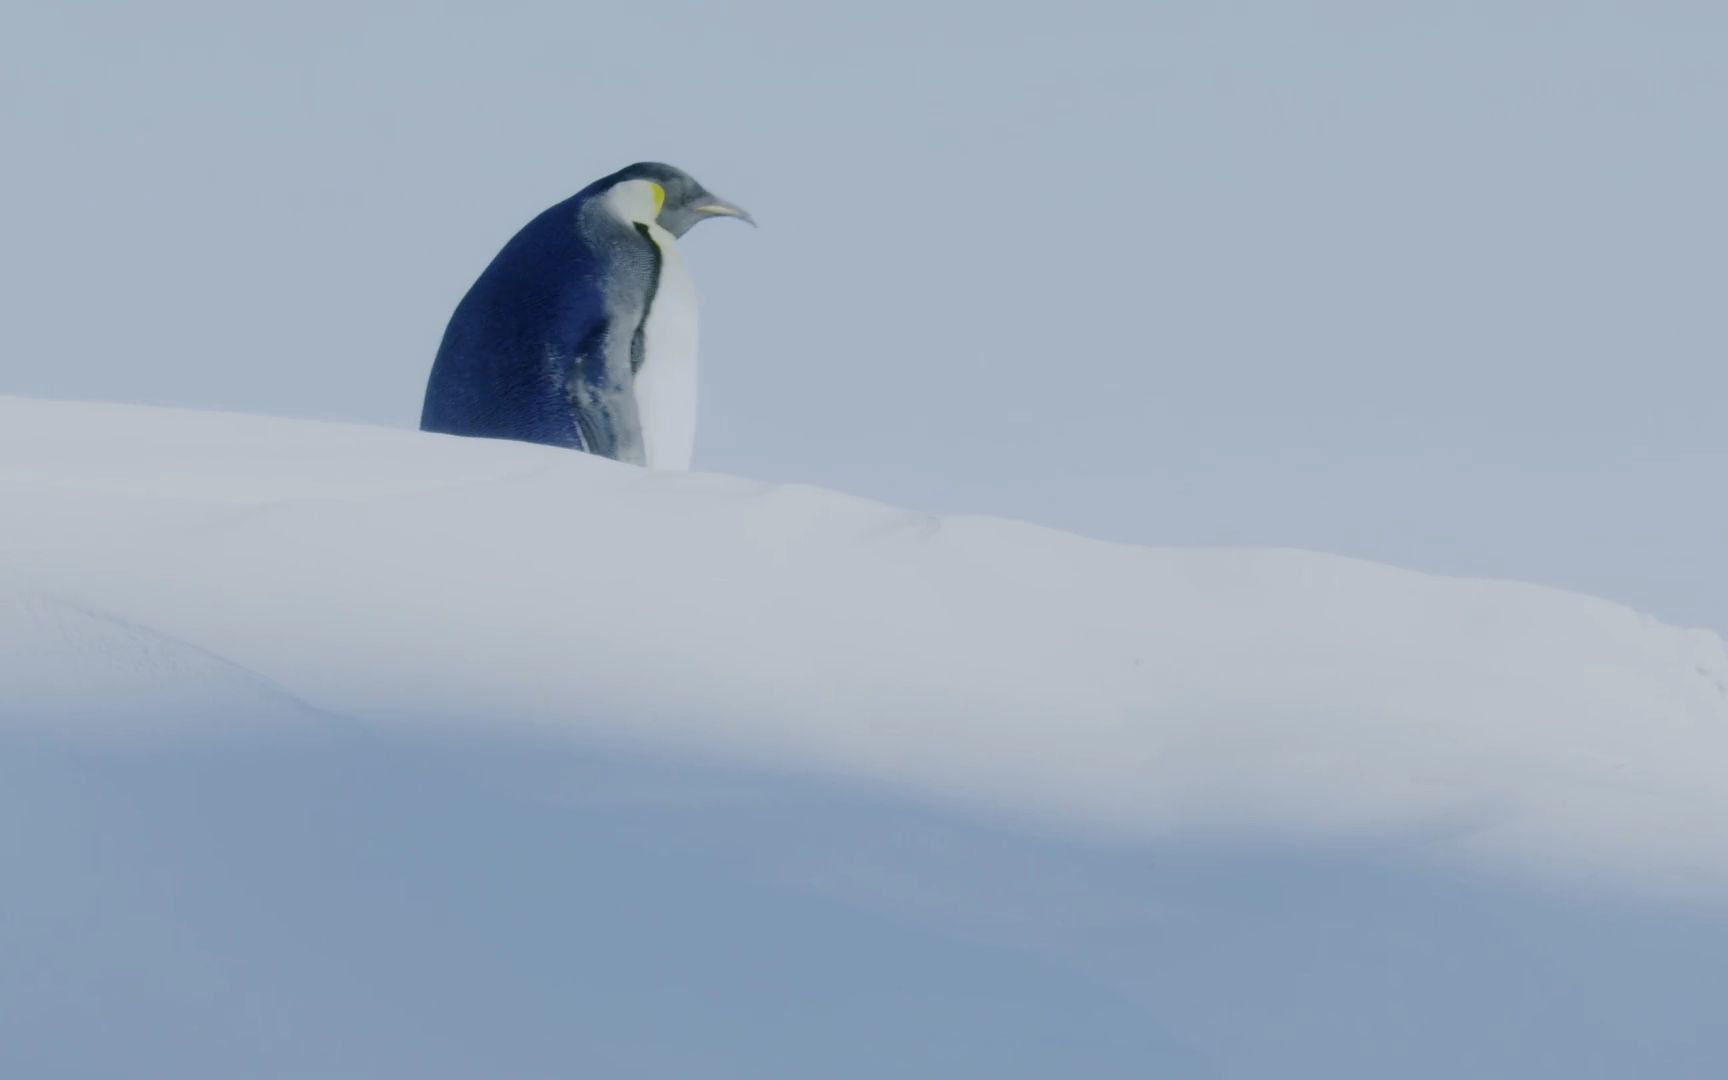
[(602, 373), (603, 402)]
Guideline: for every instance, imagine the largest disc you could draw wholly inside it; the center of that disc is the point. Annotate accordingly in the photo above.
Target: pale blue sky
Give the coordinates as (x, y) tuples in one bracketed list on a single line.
[(1434, 284)]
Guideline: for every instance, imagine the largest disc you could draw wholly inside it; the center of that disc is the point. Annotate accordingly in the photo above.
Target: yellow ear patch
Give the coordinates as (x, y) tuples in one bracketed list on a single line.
[(659, 196)]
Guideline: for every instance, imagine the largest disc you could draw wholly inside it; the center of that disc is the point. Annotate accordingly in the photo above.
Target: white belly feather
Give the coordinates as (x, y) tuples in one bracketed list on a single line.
[(666, 382)]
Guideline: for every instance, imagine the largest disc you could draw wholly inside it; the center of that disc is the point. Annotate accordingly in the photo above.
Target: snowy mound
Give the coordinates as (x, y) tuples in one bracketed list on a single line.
[(171, 570)]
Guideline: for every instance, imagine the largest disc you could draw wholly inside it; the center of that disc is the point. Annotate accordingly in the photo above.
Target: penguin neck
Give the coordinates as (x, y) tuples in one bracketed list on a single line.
[(665, 383)]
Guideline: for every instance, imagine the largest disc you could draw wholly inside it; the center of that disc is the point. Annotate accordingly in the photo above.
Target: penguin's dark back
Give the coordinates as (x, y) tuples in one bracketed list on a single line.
[(504, 365)]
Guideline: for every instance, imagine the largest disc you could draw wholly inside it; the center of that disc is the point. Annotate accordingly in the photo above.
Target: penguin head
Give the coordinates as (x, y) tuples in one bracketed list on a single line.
[(682, 201)]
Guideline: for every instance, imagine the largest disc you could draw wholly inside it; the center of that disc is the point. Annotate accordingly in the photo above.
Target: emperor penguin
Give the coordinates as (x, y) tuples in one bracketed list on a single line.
[(582, 331)]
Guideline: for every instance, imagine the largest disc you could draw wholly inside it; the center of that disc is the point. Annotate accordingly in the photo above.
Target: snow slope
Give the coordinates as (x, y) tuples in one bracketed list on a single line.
[(336, 751), (169, 571)]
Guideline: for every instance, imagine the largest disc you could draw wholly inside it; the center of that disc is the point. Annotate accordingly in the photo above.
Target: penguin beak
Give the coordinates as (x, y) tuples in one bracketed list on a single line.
[(722, 208)]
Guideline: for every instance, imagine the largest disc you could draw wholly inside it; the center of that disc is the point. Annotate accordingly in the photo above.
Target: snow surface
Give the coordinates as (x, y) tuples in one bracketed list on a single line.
[(161, 564), (329, 750)]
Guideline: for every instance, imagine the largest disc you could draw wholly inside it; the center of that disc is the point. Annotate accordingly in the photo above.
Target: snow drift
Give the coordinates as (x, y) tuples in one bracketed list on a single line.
[(167, 571)]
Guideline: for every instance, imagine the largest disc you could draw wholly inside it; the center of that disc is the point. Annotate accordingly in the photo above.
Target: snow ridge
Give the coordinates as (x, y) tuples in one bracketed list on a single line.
[(279, 569)]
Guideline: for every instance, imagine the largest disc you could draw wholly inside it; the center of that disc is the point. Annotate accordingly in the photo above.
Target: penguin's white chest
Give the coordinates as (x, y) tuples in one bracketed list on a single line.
[(666, 381)]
